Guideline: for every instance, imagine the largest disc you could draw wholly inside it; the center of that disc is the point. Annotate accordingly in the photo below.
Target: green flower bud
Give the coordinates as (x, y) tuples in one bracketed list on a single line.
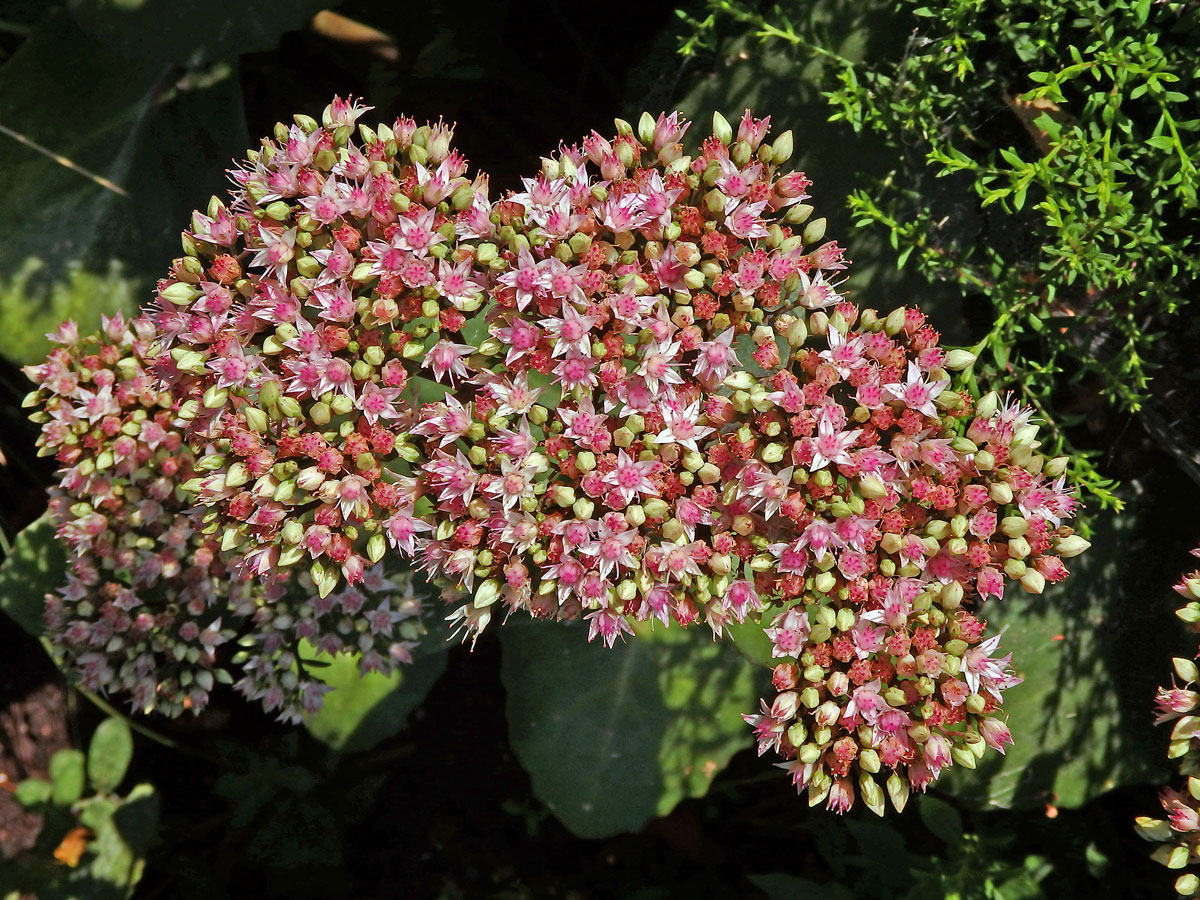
[(1070, 546), (814, 231), (898, 791), (722, 130), (290, 407), (376, 547), (487, 593), (781, 150), (956, 360)]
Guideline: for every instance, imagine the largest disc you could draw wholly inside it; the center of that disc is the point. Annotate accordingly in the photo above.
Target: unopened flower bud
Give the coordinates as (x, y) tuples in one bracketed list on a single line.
[(290, 407), (781, 149), (814, 231), (1070, 546), (1185, 669), (1033, 581), (957, 360)]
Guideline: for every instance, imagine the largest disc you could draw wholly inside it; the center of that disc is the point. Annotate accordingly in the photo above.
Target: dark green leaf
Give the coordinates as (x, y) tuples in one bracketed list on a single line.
[(191, 34), (148, 141), (941, 818), (613, 737), (781, 886), (36, 566), (121, 843)]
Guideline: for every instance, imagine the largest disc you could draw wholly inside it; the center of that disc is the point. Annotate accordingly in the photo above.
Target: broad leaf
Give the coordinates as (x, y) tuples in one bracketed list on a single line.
[(121, 844), (146, 140), (941, 818), (36, 566), (614, 737), (782, 886), (109, 754), (66, 773), (363, 710), (28, 311)]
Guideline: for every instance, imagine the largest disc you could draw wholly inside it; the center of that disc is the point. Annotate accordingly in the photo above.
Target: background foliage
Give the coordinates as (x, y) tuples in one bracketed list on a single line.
[(1025, 170)]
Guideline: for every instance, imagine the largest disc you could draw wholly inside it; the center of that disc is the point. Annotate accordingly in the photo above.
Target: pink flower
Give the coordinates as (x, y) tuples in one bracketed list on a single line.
[(447, 359), (917, 393)]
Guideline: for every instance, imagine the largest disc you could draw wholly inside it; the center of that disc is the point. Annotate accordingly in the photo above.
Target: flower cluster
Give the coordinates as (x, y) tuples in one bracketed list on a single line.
[(630, 392), (619, 459), (143, 609), (1179, 834), (153, 604), (296, 321), (584, 468), (884, 662)]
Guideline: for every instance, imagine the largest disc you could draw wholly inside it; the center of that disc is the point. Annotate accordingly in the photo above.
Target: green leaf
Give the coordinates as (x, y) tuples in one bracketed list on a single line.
[(1048, 124), (36, 566), (363, 710), (752, 642), (29, 309), (121, 844), (109, 754), (187, 34), (33, 791), (66, 771), (614, 737), (941, 818), (146, 140), (95, 810)]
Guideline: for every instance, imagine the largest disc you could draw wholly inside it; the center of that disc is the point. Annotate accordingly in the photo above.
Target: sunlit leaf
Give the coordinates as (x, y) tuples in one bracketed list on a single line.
[(614, 737)]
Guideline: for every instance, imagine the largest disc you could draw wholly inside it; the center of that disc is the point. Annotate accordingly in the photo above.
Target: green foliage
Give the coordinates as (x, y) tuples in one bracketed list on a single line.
[(872, 859), (35, 566), (112, 139), (91, 847), (292, 809), (362, 710), (1076, 126), (109, 754), (614, 737), (29, 309)]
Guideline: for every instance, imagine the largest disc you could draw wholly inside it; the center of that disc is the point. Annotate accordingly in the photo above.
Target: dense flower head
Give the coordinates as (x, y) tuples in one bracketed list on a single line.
[(898, 528), (1178, 835), (297, 319), (143, 609), (582, 468), (154, 606), (684, 421), (633, 391)]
